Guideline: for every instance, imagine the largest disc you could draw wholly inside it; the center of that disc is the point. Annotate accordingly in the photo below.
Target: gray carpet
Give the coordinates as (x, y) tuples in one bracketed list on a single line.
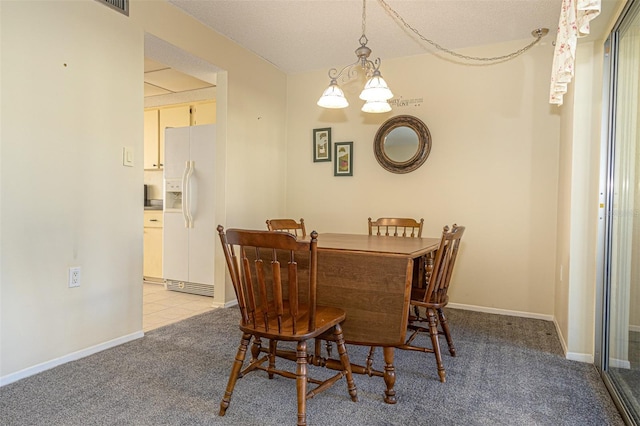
[(627, 381), (509, 371), (634, 349)]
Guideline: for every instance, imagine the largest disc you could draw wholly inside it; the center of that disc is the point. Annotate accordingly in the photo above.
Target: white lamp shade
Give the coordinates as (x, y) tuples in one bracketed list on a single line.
[(333, 97), (376, 90), (376, 106)]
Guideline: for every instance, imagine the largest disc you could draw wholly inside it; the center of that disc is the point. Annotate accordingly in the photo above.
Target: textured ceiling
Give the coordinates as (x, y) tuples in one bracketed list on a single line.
[(303, 35)]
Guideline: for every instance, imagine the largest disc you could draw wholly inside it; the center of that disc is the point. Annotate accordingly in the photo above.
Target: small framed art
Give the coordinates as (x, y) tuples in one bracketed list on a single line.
[(322, 145), (343, 163)]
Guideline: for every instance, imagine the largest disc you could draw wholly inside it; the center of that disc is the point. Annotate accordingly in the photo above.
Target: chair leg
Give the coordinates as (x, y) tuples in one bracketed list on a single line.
[(318, 348), (433, 331), (416, 312), (255, 348), (329, 347), (447, 334), (301, 382), (273, 347), (235, 371), (370, 355), (346, 364)]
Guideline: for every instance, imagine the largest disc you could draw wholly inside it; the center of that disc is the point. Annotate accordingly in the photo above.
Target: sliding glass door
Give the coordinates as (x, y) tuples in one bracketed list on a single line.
[(619, 360)]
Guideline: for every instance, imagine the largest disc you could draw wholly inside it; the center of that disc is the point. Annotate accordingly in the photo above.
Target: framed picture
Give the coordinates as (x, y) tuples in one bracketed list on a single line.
[(321, 145), (343, 163)]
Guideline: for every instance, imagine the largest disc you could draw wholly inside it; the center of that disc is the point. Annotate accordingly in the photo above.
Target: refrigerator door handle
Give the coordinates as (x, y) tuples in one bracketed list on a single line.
[(187, 202), (185, 196)]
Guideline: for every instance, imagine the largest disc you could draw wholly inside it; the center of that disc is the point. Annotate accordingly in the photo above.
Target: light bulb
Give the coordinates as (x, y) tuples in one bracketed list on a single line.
[(376, 106), (333, 97)]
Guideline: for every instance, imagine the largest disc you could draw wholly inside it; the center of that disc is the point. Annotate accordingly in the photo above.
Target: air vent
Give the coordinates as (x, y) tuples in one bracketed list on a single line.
[(193, 288), (121, 6)]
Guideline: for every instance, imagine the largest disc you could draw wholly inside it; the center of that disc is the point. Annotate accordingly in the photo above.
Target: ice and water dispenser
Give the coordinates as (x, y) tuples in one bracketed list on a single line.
[(173, 194)]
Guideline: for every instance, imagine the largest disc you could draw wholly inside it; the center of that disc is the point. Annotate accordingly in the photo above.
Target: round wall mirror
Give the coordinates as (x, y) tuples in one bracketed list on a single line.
[(402, 144)]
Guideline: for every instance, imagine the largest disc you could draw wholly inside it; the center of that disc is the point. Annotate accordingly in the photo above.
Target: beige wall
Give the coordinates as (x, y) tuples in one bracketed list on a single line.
[(578, 204), (251, 106), (563, 244), (66, 198), (579, 215), (503, 163), (493, 168)]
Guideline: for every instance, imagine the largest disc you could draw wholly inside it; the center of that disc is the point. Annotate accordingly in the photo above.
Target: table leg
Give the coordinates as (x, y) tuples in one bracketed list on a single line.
[(389, 375)]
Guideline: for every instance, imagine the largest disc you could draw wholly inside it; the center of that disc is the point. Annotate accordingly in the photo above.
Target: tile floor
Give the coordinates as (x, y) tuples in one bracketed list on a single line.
[(161, 307)]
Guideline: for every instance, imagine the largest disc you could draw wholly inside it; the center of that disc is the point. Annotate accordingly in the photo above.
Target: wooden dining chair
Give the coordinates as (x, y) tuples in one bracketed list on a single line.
[(397, 227), (433, 297), (295, 228), (403, 227), (288, 225), (278, 304)]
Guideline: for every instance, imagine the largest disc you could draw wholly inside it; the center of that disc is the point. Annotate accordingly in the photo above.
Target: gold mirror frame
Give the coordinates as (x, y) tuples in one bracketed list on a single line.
[(424, 144)]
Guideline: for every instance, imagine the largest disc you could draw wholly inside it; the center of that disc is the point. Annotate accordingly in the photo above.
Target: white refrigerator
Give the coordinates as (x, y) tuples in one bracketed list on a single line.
[(189, 233)]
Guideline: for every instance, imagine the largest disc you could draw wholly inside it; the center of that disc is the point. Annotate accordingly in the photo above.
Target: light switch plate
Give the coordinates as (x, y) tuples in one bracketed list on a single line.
[(127, 156)]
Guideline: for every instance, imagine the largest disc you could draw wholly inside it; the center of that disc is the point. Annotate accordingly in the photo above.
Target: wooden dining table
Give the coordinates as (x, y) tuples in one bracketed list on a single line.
[(370, 277)]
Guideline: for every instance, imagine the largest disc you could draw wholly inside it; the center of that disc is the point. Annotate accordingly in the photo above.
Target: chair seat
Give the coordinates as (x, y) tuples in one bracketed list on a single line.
[(326, 318), (277, 301), (437, 300), (433, 297)]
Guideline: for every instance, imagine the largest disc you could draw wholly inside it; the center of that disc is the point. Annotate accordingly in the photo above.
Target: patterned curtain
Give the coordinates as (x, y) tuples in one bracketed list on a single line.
[(574, 22)]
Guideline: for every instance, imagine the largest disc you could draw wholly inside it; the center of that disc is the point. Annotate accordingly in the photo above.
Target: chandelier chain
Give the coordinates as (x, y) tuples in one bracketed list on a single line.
[(364, 15), (538, 36)]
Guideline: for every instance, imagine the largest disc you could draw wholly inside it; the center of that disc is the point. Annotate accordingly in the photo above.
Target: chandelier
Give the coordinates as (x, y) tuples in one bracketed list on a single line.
[(376, 93)]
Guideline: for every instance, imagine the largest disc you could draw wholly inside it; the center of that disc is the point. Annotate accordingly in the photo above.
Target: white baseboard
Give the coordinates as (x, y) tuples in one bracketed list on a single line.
[(565, 350), (619, 363), (574, 356), (501, 311), (14, 377), (635, 328), (228, 304), (10, 378)]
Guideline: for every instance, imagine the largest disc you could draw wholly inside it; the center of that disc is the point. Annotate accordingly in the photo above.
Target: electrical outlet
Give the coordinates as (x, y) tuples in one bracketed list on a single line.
[(74, 276)]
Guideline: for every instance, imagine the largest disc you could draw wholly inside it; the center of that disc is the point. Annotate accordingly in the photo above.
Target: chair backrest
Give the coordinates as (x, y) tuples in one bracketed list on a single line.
[(288, 225), (443, 264), (264, 270), (397, 227)]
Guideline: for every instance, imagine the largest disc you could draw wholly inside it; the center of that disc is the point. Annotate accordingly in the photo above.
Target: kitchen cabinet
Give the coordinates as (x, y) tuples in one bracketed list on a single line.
[(151, 139), (203, 113), (156, 120), (176, 116), (152, 251)]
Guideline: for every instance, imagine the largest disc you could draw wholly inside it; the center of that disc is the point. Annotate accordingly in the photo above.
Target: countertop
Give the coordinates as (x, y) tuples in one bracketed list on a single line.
[(154, 204)]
